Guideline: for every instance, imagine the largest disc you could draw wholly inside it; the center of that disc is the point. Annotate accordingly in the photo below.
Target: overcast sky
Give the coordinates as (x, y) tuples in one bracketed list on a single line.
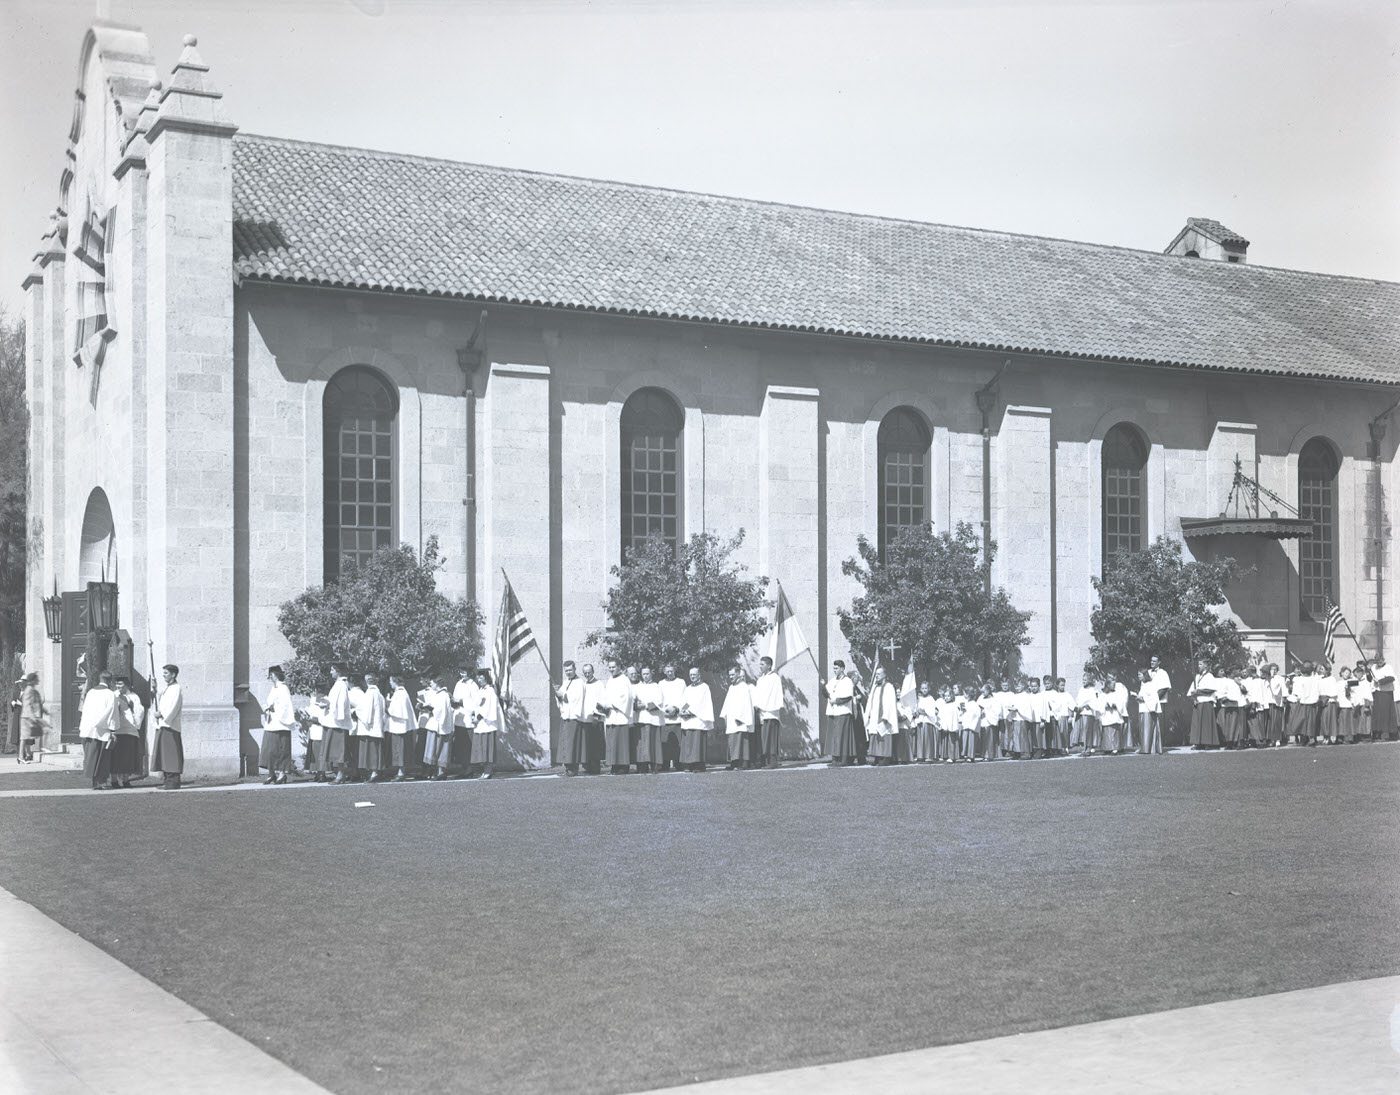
[(1109, 122)]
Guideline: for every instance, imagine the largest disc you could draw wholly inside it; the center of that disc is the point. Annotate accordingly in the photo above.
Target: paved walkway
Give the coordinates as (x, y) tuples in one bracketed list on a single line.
[(1339, 1038), (75, 1021)]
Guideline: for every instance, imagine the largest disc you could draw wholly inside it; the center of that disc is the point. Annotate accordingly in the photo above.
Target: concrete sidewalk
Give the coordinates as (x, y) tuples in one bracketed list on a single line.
[(1339, 1038), (75, 1021)]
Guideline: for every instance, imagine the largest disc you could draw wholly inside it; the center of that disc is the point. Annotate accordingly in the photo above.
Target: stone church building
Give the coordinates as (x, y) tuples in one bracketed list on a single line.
[(253, 359)]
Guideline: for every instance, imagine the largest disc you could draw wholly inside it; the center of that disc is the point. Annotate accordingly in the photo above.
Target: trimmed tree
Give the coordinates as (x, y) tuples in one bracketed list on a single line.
[(932, 594), (386, 616), (691, 607), (1156, 602)]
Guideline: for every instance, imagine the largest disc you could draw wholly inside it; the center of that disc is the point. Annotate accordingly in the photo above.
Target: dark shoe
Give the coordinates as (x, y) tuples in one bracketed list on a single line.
[(99, 787), (373, 777), (270, 778)]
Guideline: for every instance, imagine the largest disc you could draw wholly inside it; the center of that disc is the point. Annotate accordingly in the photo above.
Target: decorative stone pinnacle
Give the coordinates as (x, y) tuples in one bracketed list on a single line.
[(191, 40)]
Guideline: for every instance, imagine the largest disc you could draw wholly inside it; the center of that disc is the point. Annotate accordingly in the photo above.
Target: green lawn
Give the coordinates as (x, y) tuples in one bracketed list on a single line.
[(611, 934)]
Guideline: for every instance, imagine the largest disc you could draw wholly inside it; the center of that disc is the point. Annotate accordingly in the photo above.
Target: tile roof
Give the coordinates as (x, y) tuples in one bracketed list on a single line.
[(332, 216), (1215, 230)]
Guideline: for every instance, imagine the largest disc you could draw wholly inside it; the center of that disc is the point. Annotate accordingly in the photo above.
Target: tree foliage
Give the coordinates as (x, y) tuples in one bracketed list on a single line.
[(14, 449), (1156, 602), (690, 607), (386, 616), (930, 594)]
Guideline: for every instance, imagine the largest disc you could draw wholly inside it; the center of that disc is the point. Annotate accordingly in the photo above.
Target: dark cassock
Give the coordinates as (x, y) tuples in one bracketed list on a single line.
[(649, 717), (371, 717), (737, 713), (617, 725), (840, 713), (126, 744), (339, 750), (168, 747), (486, 723), (1203, 691), (438, 732), (1383, 701), (595, 708), (768, 698), (697, 715), (570, 695), (279, 720), (672, 696), (403, 729), (882, 720)]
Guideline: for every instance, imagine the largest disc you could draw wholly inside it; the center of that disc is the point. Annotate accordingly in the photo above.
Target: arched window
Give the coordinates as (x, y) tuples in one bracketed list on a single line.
[(903, 456), (1124, 457), (358, 454), (651, 454), (1317, 502)]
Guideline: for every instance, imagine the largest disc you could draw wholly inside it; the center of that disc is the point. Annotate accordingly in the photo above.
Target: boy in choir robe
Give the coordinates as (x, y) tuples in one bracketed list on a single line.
[(1303, 700), (948, 720), (1365, 696), (279, 720), (487, 720), (570, 696), (1062, 705), (737, 713), (1113, 713), (354, 764), (617, 723), (97, 726), (970, 723), (672, 696), (1382, 678), (990, 748), (1229, 712), (1256, 707), (881, 719), (649, 718), (320, 714), (595, 709), (402, 725), (768, 698), (840, 713), (437, 738), (1162, 681), (697, 713), (1346, 706), (925, 722), (340, 751), (126, 744), (1327, 692), (464, 700), (1020, 741), (1149, 713), (168, 749), (1086, 705), (370, 719), (1045, 723), (1202, 692), (1278, 696), (1006, 699)]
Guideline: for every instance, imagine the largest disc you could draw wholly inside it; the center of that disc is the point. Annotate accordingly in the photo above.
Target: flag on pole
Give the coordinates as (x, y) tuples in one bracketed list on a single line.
[(1334, 623), (788, 640), (909, 690), (513, 638)]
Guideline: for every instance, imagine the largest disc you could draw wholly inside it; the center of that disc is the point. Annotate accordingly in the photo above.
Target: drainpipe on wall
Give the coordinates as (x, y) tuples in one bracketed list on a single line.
[(1377, 427), (469, 359)]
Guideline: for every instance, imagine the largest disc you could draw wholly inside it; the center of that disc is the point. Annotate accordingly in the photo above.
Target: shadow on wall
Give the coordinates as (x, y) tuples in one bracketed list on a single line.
[(249, 720), (800, 736), (522, 741)]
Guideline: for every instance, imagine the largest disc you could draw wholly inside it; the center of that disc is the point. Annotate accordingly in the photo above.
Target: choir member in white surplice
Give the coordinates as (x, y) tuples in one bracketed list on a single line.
[(649, 717), (97, 725), (403, 730), (279, 720), (697, 716), (168, 749), (437, 737), (320, 713), (595, 710), (465, 694), (371, 717), (126, 745), (840, 713), (672, 696), (340, 757), (1203, 689), (570, 696), (487, 721), (617, 723), (768, 698), (737, 714), (882, 718)]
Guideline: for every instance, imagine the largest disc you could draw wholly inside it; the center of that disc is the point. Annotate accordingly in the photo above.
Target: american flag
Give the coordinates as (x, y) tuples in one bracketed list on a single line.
[(513, 638), (1335, 622)]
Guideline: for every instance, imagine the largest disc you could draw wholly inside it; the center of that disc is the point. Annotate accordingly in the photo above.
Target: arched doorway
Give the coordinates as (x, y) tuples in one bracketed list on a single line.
[(97, 561)]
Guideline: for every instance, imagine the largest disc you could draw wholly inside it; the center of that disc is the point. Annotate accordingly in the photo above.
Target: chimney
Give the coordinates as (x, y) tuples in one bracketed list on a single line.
[(1203, 238)]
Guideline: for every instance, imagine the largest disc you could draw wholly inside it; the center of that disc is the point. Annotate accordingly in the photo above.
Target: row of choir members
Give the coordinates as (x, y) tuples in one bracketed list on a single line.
[(110, 726), (1260, 706), (356, 730), (632, 718)]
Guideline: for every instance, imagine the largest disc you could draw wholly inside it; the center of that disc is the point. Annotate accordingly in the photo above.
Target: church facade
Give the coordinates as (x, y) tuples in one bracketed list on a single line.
[(252, 360)]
